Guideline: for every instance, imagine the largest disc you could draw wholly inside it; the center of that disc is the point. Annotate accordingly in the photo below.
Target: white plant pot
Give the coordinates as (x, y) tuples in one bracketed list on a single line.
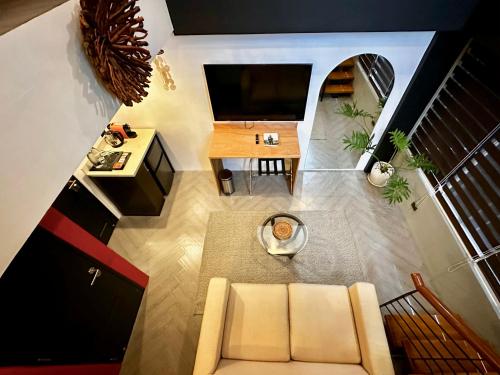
[(377, 177)]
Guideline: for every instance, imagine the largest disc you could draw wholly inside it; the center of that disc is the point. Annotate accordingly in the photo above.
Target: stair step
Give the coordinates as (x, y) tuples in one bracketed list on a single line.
[(341, 76), (339, 88), (349, 63), (404, 326), (436, 356)]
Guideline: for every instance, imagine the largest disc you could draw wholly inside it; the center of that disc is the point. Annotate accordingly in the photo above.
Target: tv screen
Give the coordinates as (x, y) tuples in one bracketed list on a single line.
[(275, 92)]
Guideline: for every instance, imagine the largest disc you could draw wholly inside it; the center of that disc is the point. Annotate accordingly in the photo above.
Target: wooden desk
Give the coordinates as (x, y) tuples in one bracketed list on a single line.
[(237, 140)]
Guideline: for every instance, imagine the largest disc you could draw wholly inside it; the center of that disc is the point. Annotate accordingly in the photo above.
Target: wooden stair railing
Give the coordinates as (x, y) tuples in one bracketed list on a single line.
[(429, 338), (481, 346)]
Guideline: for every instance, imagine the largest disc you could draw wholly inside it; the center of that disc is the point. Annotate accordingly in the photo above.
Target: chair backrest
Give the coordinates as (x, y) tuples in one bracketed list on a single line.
[(271, 166)]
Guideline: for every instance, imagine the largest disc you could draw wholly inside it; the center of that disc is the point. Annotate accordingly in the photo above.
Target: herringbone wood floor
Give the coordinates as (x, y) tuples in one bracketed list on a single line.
[(169, 249), (326, 150)]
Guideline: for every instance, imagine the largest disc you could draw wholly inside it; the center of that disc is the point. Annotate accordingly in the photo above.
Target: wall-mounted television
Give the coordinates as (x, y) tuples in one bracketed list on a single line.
[(257, 92)]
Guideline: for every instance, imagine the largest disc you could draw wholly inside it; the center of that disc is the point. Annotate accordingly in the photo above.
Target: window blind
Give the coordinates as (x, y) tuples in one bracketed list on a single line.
[(459, 132), (379, 72)]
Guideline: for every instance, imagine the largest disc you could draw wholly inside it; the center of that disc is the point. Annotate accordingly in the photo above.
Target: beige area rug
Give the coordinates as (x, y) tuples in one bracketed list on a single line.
[(232, 250)]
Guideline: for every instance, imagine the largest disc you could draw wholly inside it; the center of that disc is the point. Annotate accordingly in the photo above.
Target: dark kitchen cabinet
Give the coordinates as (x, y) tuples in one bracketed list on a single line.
[(60, 306), (159, 166), (80, 205), (144, 193)]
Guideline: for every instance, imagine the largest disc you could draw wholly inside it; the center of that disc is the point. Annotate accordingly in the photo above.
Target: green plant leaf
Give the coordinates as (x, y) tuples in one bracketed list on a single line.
[(397, 189), (423, 162), (358, 141), (363, 113), (381, 102), (352, 111), (399, 140), (347, 110)]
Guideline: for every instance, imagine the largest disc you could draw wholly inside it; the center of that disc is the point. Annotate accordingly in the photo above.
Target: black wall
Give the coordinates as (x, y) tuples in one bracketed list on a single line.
[(437, 61), (311, 16)]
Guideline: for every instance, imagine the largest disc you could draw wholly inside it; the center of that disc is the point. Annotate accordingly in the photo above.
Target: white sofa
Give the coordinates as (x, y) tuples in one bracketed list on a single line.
[(292, 329)]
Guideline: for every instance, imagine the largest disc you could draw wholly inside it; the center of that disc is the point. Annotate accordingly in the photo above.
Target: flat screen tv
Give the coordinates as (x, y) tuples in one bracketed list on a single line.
[(274, 92)]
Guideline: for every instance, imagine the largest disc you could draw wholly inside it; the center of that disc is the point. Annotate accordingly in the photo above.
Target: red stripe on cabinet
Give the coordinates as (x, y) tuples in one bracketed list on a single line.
[(58, 224)]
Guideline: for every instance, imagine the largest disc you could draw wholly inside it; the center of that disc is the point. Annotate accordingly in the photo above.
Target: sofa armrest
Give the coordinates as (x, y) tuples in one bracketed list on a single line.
[(375, 355), (212, 327)]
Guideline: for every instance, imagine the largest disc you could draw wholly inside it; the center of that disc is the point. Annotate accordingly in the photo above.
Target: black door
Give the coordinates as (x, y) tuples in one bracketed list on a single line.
[(52, 313), (81, 206)]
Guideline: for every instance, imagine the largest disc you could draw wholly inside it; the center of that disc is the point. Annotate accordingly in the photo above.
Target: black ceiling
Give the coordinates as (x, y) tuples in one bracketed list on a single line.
[(308, 16)]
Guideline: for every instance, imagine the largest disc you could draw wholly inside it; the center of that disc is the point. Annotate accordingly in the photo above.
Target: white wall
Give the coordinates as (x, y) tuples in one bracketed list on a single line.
[(184, 117), (440, 248), (52, 110)]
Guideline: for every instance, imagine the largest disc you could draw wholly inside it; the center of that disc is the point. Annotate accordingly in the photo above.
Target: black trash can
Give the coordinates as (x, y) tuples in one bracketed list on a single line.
[(226, 180)]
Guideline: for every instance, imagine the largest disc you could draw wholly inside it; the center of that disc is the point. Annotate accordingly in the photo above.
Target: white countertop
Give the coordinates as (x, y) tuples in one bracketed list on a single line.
[(136, 146)]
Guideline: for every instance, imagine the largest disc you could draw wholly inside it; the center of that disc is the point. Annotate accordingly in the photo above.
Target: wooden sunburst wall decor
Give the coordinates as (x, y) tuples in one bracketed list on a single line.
[(113, 39)]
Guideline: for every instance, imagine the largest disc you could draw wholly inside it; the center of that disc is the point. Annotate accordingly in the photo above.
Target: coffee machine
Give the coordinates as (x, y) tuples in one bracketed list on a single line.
[(124, 130)]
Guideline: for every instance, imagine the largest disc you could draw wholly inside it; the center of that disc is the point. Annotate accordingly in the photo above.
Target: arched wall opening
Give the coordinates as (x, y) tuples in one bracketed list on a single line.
[(351, 98)]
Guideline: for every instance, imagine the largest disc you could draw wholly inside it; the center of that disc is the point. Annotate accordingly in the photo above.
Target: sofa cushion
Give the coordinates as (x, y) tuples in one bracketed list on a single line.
[(257, 323), (322, 325), (229, 367)]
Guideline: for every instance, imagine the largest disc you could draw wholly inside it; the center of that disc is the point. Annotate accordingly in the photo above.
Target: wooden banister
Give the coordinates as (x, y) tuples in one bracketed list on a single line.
[(481, 346)]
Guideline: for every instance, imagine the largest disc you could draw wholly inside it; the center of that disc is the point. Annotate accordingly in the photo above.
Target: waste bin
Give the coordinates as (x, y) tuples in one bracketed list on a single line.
[(226, 180)]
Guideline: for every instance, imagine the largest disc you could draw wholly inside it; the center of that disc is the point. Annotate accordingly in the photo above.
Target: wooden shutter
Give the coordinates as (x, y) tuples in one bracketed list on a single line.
[(459, 131)]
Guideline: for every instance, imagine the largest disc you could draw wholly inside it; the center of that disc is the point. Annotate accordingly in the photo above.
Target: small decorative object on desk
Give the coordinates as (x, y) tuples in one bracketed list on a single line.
[(282, 230), (271, 139)]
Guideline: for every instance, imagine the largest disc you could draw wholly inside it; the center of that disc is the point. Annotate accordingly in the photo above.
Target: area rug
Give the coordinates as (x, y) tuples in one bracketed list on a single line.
[(232, 250)]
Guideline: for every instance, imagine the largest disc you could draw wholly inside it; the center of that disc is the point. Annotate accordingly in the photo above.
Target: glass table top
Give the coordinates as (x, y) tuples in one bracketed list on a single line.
[(289, 243)]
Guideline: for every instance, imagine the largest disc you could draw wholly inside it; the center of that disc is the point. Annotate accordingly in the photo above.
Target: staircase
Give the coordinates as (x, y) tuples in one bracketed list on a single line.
[(339, 81), (425, 337)]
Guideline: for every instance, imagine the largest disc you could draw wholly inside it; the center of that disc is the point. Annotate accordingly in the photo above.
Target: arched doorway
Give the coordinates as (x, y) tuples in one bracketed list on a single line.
[(351, 99)]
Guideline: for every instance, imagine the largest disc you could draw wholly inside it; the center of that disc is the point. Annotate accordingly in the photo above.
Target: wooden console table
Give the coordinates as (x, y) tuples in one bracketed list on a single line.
[(237, 140)]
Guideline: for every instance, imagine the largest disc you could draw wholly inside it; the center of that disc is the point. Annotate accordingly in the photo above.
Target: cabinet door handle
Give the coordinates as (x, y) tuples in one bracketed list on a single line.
[(96, 272), (74, 186)]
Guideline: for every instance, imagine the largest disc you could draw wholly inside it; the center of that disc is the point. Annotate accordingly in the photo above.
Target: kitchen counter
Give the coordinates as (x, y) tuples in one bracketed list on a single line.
[(138, 148), (139, 189)]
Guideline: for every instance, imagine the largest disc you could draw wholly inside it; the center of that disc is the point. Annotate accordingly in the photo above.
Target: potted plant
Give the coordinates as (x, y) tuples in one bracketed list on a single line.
[(361, 141), (385, 174)]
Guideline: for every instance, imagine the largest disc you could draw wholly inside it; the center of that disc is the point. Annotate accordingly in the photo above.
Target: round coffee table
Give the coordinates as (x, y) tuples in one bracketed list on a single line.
[(283, 234)]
